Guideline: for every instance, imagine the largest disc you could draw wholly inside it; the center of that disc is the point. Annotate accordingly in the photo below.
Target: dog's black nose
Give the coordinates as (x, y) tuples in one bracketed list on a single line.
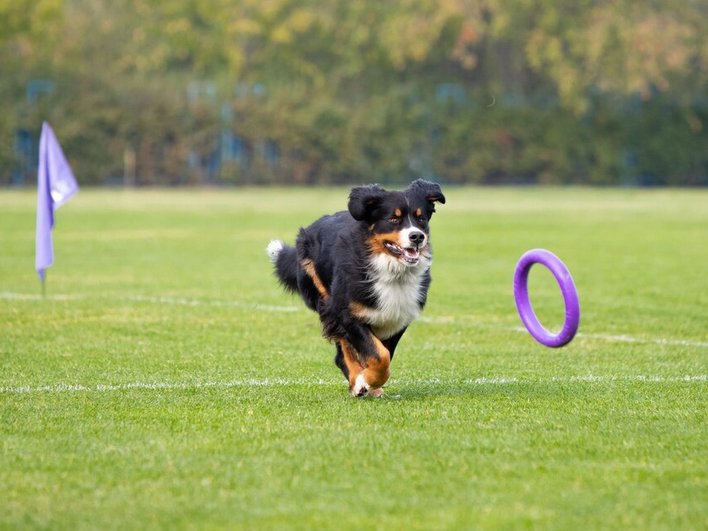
[(416, 237)]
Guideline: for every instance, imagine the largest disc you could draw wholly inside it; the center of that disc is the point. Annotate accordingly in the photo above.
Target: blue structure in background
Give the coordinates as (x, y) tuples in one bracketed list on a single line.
[(232, 148), (26, 142), (38, 86), (26, 152)]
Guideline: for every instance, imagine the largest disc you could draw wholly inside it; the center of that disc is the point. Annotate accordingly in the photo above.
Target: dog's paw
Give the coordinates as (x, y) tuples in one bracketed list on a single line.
[(361, 389)]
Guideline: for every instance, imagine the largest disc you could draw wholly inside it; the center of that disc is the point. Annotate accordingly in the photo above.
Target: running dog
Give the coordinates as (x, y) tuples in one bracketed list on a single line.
[(366, 272)]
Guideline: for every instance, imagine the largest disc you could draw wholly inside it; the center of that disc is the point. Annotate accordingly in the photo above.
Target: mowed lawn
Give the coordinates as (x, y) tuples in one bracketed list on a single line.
[(167, 382)]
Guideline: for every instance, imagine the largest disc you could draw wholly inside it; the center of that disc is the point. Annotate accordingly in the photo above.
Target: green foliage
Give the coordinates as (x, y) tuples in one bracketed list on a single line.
[(497, 91)]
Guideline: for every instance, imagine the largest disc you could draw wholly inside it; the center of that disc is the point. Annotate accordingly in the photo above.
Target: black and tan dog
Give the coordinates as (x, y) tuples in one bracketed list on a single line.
[(366, 272)]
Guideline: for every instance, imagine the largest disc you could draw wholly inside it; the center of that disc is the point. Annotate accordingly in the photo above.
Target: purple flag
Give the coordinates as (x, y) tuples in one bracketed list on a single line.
[(56, 184)]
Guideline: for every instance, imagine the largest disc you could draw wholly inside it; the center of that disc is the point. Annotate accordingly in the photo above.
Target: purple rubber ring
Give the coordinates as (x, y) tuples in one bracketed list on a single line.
[(570, 296)]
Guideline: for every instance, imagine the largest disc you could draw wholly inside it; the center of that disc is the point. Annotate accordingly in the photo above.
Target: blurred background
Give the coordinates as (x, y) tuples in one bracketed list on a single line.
[(231, 92)]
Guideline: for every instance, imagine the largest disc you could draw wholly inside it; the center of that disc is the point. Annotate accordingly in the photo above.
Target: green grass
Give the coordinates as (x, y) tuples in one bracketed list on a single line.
[(204, 397)]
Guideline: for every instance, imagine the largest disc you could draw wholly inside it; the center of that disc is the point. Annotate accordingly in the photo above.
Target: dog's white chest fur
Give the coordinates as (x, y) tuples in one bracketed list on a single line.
[(398, 292)]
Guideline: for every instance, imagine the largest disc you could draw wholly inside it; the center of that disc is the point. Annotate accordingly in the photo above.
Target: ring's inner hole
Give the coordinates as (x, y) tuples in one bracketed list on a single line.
[(546, 298)]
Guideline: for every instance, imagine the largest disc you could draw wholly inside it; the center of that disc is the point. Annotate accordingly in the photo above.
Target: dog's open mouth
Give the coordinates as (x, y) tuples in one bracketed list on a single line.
[(410, 255)]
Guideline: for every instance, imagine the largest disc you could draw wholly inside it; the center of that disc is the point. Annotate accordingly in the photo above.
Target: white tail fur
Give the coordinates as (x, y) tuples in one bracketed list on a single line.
[(273, 249)]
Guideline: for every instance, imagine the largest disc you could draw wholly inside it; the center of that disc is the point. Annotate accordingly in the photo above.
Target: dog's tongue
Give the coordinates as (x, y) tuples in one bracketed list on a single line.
[(411, 253)]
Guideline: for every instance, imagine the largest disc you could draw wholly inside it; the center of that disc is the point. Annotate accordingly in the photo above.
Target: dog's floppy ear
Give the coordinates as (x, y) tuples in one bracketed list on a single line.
[(363, 200), (431, 191)]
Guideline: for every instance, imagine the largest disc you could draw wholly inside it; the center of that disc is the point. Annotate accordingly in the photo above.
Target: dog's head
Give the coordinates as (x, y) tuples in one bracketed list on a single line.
[(398, 222)]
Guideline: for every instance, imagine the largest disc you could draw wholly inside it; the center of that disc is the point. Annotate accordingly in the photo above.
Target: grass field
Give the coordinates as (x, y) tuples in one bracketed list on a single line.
[(167, 382)]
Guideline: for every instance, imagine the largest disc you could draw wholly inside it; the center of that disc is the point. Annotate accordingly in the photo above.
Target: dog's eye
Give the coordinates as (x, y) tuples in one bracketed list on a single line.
[(395, 220)]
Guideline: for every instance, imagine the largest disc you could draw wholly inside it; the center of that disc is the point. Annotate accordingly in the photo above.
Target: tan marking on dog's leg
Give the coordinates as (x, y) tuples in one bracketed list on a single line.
[(351, 360), (309, 268), (377, 371)]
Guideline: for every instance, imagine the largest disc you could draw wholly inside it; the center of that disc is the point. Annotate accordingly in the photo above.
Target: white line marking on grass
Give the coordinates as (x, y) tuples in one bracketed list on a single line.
[(11, 296), (429, 319), (590, 378), (630, 339), (655, 341), (283, 382), (217, 303), (177, 301), (448, 319), (61, 388)]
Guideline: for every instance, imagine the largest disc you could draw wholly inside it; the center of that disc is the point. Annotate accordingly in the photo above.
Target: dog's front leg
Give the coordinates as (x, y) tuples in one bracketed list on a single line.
[(367, 359), (351, 361)]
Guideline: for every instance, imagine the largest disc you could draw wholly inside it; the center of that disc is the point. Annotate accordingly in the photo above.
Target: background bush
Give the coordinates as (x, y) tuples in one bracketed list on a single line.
[(298, 91)]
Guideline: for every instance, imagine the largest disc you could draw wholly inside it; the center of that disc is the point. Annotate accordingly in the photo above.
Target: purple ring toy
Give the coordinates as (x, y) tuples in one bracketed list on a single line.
[(570, 296)]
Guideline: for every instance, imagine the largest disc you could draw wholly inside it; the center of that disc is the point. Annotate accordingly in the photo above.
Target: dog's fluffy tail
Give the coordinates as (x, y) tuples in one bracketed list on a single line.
[(284, 259)]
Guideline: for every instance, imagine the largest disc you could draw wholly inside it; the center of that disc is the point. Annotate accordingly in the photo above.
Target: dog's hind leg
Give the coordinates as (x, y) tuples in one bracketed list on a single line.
[(309, 267)]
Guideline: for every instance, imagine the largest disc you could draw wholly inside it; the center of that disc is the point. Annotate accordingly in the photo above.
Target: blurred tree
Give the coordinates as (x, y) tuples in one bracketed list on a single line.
[(308, 91)]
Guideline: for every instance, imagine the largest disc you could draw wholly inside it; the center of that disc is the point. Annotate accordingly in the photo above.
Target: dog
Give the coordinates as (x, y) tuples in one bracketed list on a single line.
[(366, 272)]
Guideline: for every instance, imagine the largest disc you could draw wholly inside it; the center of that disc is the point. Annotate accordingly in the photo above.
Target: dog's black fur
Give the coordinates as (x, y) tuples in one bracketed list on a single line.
[(365, 271)]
